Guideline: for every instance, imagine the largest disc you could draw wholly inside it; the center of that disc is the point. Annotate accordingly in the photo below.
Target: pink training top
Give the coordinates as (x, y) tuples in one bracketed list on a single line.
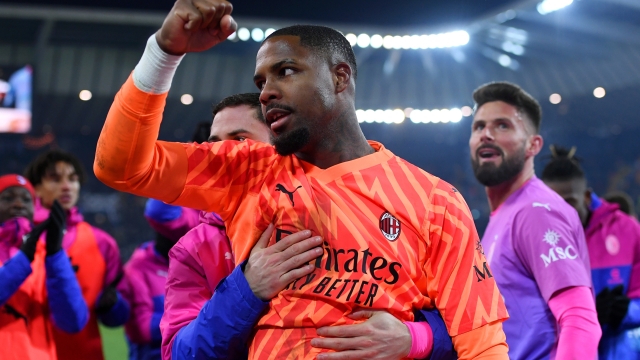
[(535, 246), (106, 244), (143, 286), (190, 284), (614, 248)]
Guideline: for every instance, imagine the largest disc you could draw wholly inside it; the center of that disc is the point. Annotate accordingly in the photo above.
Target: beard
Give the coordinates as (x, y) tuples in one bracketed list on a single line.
[(490, 175), (292, 141)]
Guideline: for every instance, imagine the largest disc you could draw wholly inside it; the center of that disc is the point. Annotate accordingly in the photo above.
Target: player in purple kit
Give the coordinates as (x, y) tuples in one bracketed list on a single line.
[(613, 240), (534, 242), (145, 276)]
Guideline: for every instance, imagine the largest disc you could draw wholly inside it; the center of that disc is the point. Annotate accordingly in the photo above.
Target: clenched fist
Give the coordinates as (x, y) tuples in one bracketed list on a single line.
[(195, 25)]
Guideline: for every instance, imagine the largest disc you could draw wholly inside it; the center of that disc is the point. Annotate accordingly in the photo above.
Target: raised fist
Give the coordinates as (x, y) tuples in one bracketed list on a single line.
[(195, 25)]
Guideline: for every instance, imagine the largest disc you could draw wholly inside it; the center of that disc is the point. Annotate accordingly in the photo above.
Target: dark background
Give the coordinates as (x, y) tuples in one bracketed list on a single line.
[(591, 43)]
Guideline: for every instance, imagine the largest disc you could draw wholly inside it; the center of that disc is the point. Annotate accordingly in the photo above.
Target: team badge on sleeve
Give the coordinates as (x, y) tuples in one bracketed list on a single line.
[(556, 252), (551, 237), (390, 226)]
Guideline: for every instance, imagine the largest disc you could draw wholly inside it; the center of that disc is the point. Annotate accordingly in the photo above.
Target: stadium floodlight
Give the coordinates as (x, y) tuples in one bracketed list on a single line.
[(406, 42), (352, 38), (455, 115), (376, 41), (369, 116), (439, 41), (417, 116), (515, 35), (423, 41), (397, 42), (85, 95), (388, 42), (360, 114), (434, 116), (363, 40), (515, 49), (504, 60), (415, 42), (506, 16), (426, 116), (244, 34), (549, 6), (388, 116), (257, 34), (458, 38), (398, 116), (379, 116), (599, 92), (186, 99), (444, 116)]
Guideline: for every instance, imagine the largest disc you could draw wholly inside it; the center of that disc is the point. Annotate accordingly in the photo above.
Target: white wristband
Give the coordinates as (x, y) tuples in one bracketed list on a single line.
[(156, 68)]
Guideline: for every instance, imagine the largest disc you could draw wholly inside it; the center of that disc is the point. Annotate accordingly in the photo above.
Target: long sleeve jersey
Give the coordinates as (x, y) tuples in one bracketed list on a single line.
[(382, 250), (211, 310), (143, 287)]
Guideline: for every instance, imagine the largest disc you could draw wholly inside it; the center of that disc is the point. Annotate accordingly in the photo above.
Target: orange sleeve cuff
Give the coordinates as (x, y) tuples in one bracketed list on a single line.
[(487, 342), (129, 157)]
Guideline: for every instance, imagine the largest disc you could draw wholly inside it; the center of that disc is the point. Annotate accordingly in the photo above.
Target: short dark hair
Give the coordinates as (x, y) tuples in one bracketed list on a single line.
[(513, 95), (249, 99), (326, 41), (46, 162), (564, 165), (624, 201)]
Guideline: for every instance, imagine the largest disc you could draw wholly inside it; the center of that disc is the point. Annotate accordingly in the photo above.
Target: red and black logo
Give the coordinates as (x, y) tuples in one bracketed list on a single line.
[(390, 226)]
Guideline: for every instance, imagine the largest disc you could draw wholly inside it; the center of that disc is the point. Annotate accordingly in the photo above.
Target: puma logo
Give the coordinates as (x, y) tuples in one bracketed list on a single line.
[(546, 206), (281, 188), (15, 313)]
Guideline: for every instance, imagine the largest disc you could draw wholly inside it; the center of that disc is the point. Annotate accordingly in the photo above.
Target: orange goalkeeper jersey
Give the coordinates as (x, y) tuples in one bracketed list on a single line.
[(395, 237)]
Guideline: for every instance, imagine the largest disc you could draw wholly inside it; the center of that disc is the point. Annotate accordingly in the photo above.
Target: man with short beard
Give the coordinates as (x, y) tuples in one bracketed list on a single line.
[(391, 236), (534, 241), (202, 262)]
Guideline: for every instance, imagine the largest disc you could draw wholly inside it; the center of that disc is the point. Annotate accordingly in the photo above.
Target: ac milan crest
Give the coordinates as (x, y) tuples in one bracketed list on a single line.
[(390, 226)]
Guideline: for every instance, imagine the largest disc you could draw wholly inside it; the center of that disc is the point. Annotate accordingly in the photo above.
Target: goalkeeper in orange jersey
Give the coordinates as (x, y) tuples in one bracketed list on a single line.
[(394, 237)]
